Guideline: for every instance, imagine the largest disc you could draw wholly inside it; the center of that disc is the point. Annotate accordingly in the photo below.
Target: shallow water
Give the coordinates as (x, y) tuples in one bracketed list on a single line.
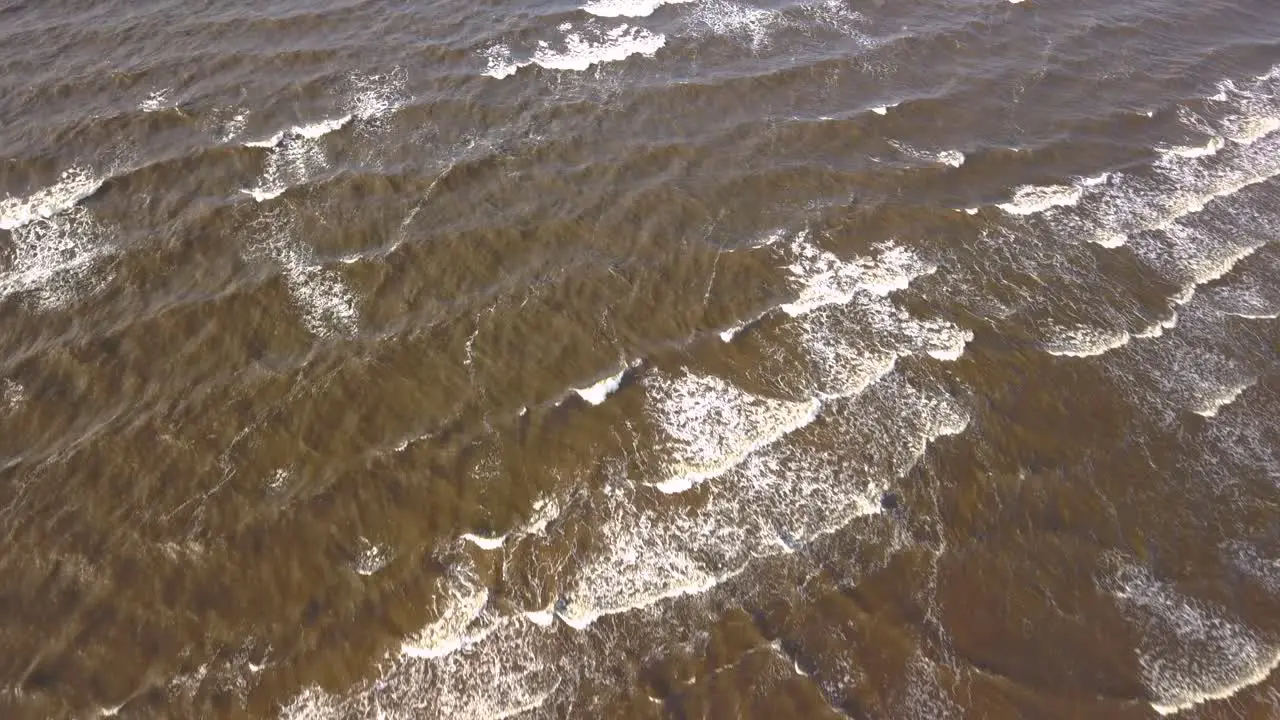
[(633, 358)]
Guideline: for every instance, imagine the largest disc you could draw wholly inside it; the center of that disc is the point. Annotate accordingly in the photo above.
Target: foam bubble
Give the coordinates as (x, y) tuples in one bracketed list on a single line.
[(307, 131), (1190, 653), (295, 158), (1210, 147), (721, 17), (232, 127), (582, 50), (952, 158), (1215, 401), (617, 44), (1084, 341), (627, 8), (711, 426), (12, 393), (75, 184), (465, 598), (1184, 371), (375, 96), (484, 542), (155, 101), (56, 258), (1158, 328), (372, 557), (473, 661), (326, 303), (821, 278), (1033, 199), (600, 391)]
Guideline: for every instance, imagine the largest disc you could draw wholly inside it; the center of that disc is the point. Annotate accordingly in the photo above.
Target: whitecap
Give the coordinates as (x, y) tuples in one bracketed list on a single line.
[(600, 391), (627, 8), (710, 426), (155, 101), (485, 542), (372, 557), (373, 97), (1189, 652), (1033, 199), (1158, 328), (56, 258), (465, 599), (1084, 341), (821, 278), (12, 393), (616, 44), (1213, 402), (1210, 147), (952, 158), (721, 17), (326, 302), (580, 51), (73, 185)]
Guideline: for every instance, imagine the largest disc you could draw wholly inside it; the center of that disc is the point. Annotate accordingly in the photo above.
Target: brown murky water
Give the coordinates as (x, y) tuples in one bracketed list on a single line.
[(865, 359)]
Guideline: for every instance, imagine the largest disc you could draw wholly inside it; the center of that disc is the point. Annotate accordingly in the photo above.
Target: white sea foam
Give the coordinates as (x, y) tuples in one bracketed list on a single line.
[(953, 158), (1211, 404), (12, 393), (307, 131), (1266, 570), (464, 599), (372, 557), (1190, 653), (373, 97), (600, 391), (75, 184), (155, 101), (1095, 180), (616, 44), (821, 278), (1158, 328), (1033, 199), (473, 662), (1252, 296), (1084, 341), (1210, 147), (1184, 371), (485, 542), (775, 499), (326, 303), (295, 158), (581, 50), (850, 330), (233, 127), (296, 154), (505, 674), (544, 512), (1252, 130), (725, 18), (710, 426), (729, 333), (627, 8), (56, 258)]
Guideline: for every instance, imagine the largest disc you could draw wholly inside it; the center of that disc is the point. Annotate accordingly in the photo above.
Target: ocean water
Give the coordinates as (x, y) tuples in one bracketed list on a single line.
[(640, 359)]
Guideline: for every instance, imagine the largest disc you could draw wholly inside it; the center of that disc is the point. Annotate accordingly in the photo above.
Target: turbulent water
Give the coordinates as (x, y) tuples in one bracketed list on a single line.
[(902, 359)]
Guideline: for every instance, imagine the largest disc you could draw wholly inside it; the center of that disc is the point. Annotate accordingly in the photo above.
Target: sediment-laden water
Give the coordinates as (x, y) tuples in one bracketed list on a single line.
[(631, 359)]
